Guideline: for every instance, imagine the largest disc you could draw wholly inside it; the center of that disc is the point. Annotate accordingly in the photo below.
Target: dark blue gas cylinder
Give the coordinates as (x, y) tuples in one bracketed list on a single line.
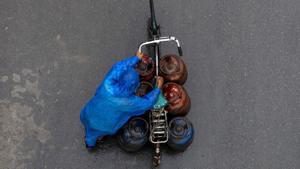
[(134, 135), (181, 133)]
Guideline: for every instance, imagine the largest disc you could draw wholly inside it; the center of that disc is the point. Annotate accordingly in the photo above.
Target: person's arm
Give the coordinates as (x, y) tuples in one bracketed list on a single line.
[(142, 104), (112, 78)]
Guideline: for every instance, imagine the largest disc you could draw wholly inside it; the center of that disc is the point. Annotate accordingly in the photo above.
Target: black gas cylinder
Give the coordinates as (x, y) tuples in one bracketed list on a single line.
[(181, 133), (134, 135)]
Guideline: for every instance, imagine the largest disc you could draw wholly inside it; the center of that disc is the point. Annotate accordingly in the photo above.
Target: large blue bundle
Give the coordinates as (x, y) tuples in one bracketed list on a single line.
[(115, 102)]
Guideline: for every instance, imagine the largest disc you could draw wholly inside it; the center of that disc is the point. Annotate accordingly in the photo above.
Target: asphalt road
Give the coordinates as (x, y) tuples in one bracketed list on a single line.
[(243, 60)]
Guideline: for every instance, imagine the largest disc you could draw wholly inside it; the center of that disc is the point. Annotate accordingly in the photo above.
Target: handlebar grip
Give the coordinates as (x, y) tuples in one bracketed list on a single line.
[(180, 51)]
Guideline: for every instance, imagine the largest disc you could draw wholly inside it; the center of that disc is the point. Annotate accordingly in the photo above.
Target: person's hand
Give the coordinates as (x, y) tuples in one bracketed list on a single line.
[(115, 102), (159, 81), (140, 55)]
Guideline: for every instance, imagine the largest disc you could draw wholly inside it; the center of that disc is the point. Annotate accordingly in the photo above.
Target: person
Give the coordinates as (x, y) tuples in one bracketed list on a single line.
[(115, 102)]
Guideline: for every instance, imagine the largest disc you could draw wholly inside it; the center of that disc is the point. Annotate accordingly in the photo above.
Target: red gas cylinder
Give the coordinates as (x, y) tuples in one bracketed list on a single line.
[(178, 99), (145, 68), (144, 88), (173, 69)]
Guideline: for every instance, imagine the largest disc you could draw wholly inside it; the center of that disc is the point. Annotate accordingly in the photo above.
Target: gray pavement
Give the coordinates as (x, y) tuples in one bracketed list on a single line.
[(243, 59)]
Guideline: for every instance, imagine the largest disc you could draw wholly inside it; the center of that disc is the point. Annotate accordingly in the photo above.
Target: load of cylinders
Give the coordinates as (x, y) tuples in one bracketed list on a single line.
[(134, 135)]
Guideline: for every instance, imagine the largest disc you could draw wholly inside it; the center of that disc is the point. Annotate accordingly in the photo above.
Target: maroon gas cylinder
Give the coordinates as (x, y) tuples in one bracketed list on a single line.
[(145, 68), (181, 133), (179, 102), (134, 135), (173, 69), (143, 88)]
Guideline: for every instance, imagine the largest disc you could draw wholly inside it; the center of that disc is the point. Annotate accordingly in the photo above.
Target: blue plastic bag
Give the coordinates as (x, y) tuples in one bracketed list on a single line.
[(115, 102)]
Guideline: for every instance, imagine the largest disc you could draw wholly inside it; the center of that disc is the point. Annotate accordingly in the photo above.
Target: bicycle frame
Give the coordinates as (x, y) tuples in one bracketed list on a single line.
[(158, 116)]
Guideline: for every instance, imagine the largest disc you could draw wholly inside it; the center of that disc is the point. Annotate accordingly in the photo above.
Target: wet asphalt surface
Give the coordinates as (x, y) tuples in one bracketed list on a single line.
[(244, 80)]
